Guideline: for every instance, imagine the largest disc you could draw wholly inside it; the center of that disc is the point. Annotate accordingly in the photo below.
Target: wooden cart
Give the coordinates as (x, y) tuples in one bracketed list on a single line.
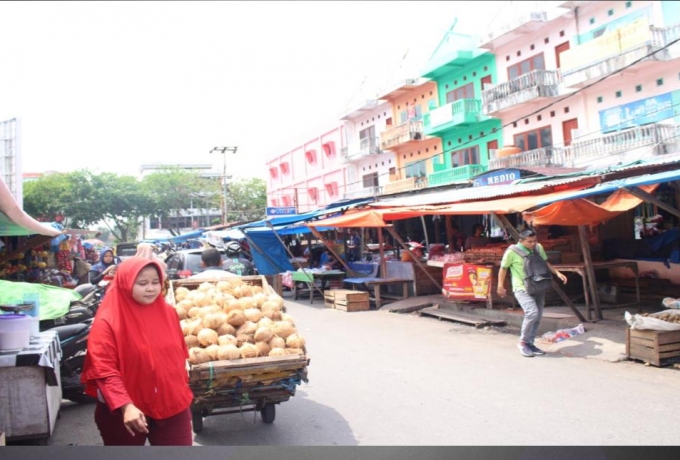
[(244, 385)]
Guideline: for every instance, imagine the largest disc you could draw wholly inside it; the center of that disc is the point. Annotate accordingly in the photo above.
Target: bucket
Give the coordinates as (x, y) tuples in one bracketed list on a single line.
[(15, 332)]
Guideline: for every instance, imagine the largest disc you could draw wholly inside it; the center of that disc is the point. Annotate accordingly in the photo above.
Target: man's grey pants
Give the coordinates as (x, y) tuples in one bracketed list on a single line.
[(533, 312)]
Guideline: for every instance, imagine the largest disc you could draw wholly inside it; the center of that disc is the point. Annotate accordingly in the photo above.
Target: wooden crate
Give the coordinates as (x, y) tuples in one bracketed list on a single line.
[(658, 348), (346, 300)]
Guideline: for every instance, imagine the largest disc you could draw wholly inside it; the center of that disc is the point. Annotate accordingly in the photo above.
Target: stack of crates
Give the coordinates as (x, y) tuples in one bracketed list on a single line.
[(346, 300)]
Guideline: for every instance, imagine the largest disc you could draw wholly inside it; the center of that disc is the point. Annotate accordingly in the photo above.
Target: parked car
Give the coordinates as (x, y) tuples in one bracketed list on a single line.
[(185, 263), (126, 250)]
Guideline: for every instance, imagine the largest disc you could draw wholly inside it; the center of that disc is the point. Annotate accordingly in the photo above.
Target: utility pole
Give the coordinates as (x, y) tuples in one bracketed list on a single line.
[(223, 195)]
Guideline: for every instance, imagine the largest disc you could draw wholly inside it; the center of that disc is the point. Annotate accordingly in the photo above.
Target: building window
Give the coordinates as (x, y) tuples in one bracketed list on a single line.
[(659, 82), (284, 168), (629, 4), (312, 193), (332, 189), (599, 99), (464, 92), (532, 47), (592, 20), (273, 172), (534, 139), (546, 40), (287, 200), (370, 180), (275, 202), (638, 88), (526, 66), (468, 156), (619, 93), (311, 156), (329, 149), (610, 13), (415, 169)]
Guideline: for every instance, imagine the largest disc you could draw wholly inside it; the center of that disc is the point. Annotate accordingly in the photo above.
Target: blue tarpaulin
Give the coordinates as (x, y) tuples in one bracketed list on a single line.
[(269, 255)]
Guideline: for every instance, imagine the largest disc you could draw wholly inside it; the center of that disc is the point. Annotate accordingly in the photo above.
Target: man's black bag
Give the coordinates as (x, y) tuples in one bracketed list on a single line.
[(538, 278)]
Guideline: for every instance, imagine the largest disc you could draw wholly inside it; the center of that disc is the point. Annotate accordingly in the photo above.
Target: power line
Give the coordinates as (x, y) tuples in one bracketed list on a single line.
[(537, 111)]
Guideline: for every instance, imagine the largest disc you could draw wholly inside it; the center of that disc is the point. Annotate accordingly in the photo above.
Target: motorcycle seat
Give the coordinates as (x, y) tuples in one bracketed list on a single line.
[(70, 330)]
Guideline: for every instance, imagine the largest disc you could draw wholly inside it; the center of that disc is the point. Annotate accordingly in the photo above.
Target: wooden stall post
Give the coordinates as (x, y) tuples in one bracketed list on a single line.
[(588, 262), (398, 239), (383, 265), (330, 248)]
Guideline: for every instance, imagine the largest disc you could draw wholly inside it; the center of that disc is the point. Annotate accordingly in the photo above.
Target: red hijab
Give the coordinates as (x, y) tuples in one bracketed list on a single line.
[(143, 344)]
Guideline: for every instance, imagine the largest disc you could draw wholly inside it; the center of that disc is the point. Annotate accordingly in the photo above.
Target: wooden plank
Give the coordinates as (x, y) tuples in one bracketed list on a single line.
[(353, 306), (458, 317), (643, 354), (669, 354), (668, 337)]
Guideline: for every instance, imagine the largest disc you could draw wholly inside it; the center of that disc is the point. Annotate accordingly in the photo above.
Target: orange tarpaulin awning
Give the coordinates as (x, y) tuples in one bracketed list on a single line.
[(581, 211)]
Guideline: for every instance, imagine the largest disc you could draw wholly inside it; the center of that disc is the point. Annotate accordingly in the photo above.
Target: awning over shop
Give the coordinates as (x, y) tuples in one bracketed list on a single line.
[(15, 222)]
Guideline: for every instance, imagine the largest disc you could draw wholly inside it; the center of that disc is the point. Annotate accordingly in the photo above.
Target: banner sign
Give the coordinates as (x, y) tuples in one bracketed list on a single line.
[(284, 211), (641, 112), (505, 176), (466, 281)]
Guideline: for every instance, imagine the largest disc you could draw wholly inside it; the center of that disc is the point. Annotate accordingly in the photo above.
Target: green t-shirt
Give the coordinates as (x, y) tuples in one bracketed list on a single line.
[(515, 263)]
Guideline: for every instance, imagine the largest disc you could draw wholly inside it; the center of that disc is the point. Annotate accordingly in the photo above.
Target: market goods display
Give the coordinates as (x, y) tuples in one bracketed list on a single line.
[(670, 316), (231, 319)]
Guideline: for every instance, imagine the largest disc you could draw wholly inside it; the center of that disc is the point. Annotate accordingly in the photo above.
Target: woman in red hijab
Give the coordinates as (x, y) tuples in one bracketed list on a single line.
[(136, 362)]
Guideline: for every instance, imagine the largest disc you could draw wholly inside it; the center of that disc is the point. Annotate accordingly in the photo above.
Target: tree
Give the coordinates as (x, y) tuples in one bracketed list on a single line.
[(173, 190), (246, 200)]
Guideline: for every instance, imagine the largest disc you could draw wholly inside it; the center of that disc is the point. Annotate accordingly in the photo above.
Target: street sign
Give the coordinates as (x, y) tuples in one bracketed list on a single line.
[(283, 211)]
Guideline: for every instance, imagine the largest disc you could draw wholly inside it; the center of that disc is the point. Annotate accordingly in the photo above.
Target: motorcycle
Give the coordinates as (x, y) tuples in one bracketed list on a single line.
[(79, 310), (73, 341)]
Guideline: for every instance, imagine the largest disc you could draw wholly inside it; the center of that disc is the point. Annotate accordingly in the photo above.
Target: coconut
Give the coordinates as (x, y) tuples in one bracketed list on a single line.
[(223, 285), (207, 337), (201, 299), (253, 314), (198, 356), (228, 352), (264, 322), (276, 299), (263, 334), (295, 341), (295, 351), (277, 342), (270, 305), (277, 352), (287, 318), (244, 338), (282, 329), (248, 328), (214, 320), (184, 325), (274, 315), (196, 326), (219, 299), (262, 348), (232, 304), (204, 287), (226, 329), (193, 312), (181, 293), (191, 341), (248, 350), (186, 304), (254, 289), (259, 299), (207, 310), (236, 318), (212, 351), (227, 340)]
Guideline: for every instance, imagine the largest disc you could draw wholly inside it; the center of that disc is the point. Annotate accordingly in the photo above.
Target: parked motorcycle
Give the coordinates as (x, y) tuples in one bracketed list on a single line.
[(79, 310), (73, 340)]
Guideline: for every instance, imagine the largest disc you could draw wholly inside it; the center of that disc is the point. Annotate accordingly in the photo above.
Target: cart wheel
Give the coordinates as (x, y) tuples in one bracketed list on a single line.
[(268, 413), (197, 421)]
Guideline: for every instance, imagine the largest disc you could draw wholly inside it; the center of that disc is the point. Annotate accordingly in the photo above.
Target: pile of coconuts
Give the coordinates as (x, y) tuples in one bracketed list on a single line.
[(230, 319)]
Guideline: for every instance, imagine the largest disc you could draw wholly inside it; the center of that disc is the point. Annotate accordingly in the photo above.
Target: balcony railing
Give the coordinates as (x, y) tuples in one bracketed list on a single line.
[(460, 112), (405, 185), (659, 138), (453, 175), (532, 85), (405, 132), (360, 149), (662, 36), (364, 192)]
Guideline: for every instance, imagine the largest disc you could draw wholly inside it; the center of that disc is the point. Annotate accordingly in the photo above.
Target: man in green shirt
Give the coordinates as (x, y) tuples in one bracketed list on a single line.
[(531, 304)]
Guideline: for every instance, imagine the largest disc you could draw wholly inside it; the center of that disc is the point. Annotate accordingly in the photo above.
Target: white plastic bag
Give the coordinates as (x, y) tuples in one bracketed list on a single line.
[(652, 322)]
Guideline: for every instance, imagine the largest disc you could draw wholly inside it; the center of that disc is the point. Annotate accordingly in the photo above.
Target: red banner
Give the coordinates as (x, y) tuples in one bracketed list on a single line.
[(466, 281)]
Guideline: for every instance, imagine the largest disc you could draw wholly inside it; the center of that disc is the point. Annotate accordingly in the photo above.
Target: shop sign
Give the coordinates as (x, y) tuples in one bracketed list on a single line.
[(637, 113), (466, 281), (281, 211), (505, 176)]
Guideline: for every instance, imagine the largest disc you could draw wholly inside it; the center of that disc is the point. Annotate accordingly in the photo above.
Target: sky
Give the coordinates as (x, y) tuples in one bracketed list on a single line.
[(110, 86)]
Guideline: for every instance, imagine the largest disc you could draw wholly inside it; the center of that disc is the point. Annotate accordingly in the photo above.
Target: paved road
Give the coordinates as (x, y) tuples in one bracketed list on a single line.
[(379, 378)]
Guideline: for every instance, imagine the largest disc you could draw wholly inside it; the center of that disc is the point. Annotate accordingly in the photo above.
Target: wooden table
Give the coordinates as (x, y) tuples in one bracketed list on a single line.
[(309, 277), (377, 283), (580, 268)]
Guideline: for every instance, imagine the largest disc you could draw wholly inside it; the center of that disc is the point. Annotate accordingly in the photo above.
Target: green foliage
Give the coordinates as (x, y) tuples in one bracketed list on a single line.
[(246, 200)]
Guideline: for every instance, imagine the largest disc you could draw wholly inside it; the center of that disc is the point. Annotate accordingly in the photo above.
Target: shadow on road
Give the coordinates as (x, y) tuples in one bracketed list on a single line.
[(299, 422)]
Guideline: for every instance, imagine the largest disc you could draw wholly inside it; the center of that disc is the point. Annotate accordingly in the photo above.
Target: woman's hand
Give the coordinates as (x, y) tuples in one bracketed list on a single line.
[(134, 419), (110, 270)]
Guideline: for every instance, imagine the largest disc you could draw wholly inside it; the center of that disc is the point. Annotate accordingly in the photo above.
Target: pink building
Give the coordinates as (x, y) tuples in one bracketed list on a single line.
[(553, 108), (309, 176)]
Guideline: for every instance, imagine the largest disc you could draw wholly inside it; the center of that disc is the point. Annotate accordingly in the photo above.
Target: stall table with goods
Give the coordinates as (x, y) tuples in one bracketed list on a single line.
[(245, 353), (30, 385), (654, 338)]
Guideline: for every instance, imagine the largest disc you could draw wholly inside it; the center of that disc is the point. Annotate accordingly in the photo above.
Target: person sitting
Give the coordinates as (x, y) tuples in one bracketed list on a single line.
[(476, 240), (416, 249), (105, 269), (211, 261), (236, 262)]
